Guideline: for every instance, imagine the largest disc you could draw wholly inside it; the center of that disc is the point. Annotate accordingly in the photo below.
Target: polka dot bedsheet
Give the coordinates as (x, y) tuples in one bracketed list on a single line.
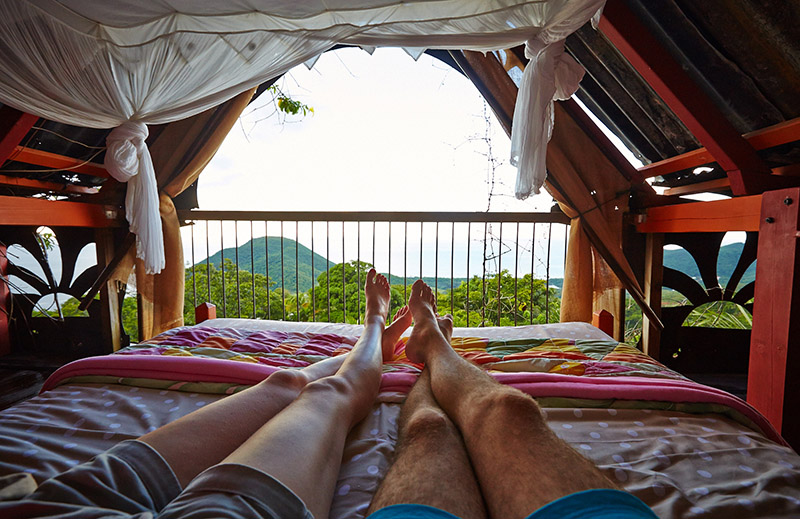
[(684, 458)]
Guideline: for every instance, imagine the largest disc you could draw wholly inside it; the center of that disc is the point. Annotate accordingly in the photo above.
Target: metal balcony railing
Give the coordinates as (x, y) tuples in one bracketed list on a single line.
[(486, 268)]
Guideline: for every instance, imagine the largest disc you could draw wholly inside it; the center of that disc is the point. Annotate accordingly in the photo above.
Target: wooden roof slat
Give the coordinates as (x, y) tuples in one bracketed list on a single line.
[(14, 125), (748, 173), (16, 210)]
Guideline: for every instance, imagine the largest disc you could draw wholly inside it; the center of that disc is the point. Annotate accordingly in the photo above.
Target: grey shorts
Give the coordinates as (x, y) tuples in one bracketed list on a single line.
[(133, 480)]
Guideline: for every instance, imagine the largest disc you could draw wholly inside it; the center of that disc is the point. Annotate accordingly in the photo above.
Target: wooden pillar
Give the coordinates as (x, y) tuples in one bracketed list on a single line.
[(5, 307), (653, 278), (144, 317), (204, 312), (773, 386), (109, 296)]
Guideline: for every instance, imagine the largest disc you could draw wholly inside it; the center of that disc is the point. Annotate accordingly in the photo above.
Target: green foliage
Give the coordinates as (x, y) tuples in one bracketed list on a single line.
[(288, 105), (720, 314), (479, 303)]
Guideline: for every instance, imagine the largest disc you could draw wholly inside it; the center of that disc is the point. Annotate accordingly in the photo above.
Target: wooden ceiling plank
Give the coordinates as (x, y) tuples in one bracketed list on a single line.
[(55, 161), (709, 186), (14, 125), (38, 211), (734, 214), (748, 173)]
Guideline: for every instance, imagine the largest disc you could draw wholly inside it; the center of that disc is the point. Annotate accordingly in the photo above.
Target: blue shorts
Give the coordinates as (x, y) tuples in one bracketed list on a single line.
[(590, 504)]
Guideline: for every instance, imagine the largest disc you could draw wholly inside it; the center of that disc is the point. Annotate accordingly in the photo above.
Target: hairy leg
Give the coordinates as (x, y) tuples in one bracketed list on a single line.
[(445, 478), (302, 446), (205, 437), (519, 463)]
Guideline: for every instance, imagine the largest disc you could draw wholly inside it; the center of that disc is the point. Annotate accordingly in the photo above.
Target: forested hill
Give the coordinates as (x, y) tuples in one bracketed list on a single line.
[(304, 262), (681, 260), (291, 249)]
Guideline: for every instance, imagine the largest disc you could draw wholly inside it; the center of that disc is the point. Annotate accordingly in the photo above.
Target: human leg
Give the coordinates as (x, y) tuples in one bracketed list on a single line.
[(431, 466), (205, 437), (302, 445), (519, 463)]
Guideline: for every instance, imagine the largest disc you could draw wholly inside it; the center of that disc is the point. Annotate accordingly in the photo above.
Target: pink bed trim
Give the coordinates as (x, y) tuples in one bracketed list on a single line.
[(195, 369)]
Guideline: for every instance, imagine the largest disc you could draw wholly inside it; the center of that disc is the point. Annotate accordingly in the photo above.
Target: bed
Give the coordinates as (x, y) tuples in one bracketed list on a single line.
[(685, 449)]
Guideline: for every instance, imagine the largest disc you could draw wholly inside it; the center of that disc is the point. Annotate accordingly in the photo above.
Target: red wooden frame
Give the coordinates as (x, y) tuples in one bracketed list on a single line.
[(734, 214), (14, 125), (56, 161), (747, 172), (37, 211)]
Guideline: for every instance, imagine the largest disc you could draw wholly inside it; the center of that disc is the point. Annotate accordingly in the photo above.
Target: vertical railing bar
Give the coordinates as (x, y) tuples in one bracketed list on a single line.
[(389, 273), (405, 259), (252, 270), (297, 269), (436, 263), (420, 248), (547, 273), (516, 273), (222, 264), (483, 281), (533, 248), (283, 278), (469, 242), (328, 263), (358, 272), (266, 269), (194, 284), (344, 281), (313, 279), (499, 272), (208, 267), (452, 263), (236, 248)]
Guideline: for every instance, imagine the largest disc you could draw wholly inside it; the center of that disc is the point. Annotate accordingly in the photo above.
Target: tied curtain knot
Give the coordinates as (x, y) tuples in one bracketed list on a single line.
[(128, 160), (550, 75)]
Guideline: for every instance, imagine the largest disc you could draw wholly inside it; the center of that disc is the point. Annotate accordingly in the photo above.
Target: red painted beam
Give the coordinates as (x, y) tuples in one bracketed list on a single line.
[(14, 125), (56, 161), (37, 211), (734, 214), (772, 383), (5, 332), (747, 172)]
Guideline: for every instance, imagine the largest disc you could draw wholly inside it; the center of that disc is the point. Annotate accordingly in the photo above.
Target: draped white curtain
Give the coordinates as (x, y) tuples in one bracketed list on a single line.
[(127, 63)]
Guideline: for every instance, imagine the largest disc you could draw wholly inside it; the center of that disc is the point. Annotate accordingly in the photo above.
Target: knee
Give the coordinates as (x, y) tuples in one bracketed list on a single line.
[(426, 423), (508, 406), (287, 380)]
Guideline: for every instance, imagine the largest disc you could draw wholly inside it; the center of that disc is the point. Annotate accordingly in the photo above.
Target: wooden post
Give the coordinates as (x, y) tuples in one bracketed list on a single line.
[(144, 317), (653, 276), (604, 321), (109, 296), (773, 386), (204, 312), (5, 307)]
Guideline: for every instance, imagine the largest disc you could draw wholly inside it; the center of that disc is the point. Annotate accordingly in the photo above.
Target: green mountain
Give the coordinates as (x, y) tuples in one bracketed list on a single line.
[(680, 259), (291, 250)]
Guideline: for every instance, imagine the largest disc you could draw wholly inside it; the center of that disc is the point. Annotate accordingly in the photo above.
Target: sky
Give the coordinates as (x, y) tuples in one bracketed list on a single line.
[(387, 134)]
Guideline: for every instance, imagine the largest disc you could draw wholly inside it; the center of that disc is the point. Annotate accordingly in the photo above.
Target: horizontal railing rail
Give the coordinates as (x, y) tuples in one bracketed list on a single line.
[(498, 296)]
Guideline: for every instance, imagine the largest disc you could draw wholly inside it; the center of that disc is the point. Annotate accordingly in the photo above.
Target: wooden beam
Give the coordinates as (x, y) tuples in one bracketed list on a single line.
[(710, 186), (781, 133), (747, 172), (55, 161), (109, 293), (14, 125), (604, 321), (653, 281), (5, 308), (37, 211), (40, 185), (734, 214), (772, 383)]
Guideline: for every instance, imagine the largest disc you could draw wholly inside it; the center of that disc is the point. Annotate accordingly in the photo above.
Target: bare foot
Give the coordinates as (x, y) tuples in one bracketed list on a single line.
[(402, 320), (430, 333), (376, 292)]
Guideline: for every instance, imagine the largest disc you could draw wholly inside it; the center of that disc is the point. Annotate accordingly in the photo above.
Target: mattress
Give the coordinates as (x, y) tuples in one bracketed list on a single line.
[(684, 449)]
